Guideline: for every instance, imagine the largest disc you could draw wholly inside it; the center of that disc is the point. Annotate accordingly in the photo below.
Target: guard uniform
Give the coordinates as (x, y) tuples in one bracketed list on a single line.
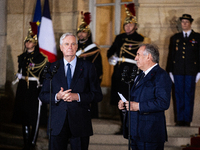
[(31, 66), (93, 55), (30, 69), (184, 63), (124, 46)]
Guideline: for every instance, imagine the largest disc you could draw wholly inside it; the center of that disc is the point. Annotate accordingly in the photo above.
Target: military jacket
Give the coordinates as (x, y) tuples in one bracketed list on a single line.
[(124, 46), (184, 54), (31, 64), (93, 55)]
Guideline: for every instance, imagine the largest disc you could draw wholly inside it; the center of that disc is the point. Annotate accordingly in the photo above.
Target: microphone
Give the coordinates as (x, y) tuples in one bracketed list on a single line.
[(125, 72), (55, 69), (134, 73), (46, 68)]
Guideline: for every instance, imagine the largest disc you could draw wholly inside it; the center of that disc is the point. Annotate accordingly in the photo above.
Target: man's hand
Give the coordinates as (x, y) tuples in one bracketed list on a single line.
[(134, 106), (67, 95), (121, 105)]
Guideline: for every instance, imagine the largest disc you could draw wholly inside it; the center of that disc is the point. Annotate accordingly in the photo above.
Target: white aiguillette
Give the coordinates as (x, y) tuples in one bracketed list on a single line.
[(122, 97)]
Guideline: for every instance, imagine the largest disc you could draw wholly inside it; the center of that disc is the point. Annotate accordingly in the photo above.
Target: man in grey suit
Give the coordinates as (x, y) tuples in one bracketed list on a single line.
[(74, 87)]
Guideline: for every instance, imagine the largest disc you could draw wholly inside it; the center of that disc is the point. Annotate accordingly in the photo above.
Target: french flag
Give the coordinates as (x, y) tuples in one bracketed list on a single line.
[(46, 39)]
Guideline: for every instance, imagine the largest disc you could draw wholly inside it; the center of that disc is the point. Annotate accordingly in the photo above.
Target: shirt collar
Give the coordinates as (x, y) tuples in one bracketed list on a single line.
[(72, 63), (188, 33), (148, 70)]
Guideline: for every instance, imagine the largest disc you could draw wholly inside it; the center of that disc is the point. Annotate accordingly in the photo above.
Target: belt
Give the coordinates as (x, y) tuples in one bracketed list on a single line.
[(27, 79)]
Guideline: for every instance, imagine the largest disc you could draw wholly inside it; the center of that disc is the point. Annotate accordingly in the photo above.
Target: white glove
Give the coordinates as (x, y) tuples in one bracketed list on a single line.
[(19, 75), (197, 77), (113, 60), (171, 76)]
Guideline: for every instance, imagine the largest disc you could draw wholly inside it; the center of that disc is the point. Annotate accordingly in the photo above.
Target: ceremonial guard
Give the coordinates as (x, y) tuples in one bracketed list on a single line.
[(122, 53), (87, 50), (184, 69), (30, 67)]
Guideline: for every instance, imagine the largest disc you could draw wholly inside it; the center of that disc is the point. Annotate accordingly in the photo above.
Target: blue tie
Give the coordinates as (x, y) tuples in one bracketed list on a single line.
[(69, 78)]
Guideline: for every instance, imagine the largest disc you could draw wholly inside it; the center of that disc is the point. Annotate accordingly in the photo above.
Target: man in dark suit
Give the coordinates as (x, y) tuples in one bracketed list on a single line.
[(184, 69), (124, 47), (74, 87), (150, 97)]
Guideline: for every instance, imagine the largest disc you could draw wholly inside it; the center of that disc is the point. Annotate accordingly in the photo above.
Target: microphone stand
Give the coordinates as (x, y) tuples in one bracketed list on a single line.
[(49, 129), (129, 114), (50, 84), (132, 77), (50, 80)]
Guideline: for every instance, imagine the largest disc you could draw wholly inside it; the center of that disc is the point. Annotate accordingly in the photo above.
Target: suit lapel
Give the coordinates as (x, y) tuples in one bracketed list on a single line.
[(78, 71), (61, 75), (148, 76)]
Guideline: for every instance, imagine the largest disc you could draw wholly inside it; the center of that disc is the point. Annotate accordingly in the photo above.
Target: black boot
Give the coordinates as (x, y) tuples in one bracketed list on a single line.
[(26, 136)]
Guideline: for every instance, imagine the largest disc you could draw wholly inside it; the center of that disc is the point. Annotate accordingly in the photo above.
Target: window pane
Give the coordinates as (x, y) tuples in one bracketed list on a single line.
[(123, 16), (105, 36), (104, 1), (107, 68), (105, 25), (126, 0)]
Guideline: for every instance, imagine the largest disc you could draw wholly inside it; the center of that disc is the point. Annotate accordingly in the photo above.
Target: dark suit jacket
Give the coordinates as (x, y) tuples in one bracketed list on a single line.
[(84, 82), (153, 95)]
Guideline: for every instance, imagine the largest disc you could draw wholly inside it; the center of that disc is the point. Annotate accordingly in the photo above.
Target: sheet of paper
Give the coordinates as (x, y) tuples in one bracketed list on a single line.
[(122, 97)]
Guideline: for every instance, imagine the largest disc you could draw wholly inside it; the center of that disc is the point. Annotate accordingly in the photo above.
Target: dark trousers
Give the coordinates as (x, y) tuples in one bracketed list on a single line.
[(79, 143), (146, 146), (60, 141), (184, 92)]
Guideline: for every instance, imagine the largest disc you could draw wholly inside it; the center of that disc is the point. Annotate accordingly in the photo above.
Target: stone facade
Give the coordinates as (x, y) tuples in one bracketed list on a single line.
[(157, 20)]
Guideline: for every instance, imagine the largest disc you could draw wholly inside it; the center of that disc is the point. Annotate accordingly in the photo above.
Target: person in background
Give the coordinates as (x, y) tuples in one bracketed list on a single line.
[(124, 47), (184, 69), (74, 87), (87, 50), (30, 67), (150, 97)]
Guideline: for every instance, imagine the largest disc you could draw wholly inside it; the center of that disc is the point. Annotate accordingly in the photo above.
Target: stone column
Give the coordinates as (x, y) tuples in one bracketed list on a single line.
[(2, 44)]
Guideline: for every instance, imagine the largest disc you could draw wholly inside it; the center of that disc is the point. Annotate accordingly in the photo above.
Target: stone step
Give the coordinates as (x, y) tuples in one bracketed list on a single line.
[(16, 129), (11, 128), (13, 142), (8, 147), (10, 139), (182, 131), (101, 126), (122, 147), (99, 139), (103, 138)]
